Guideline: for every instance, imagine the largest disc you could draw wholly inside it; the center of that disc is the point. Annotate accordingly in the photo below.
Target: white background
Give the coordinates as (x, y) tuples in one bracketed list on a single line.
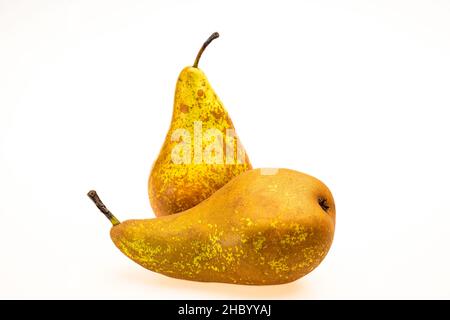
[(356, 93)]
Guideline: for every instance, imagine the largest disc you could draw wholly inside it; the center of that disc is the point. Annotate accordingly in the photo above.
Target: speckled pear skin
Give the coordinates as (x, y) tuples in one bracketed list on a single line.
[(175, 187), (263, 227)]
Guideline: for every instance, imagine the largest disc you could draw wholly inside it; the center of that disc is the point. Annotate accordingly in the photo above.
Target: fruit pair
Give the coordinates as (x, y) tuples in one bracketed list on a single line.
[(219, 220)]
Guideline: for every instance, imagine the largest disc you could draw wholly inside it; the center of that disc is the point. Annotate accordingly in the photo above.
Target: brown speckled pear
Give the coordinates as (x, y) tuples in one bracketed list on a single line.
[(266, 226), (201, 152)]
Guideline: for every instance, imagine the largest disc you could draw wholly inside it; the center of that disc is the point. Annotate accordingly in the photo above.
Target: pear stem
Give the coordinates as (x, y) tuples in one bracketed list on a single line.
[(96, 199), (215, 35)]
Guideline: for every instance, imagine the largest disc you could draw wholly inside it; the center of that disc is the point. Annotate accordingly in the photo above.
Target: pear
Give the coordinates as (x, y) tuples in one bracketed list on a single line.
[(201, 151), (263, 227)]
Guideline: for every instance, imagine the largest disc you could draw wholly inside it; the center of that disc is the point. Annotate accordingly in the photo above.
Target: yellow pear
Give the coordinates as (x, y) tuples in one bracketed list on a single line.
[(266, 226), (201, 151)]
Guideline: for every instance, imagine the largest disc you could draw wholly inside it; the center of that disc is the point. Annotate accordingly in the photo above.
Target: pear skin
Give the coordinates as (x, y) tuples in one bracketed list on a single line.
[(201, 151), (264, 227)]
